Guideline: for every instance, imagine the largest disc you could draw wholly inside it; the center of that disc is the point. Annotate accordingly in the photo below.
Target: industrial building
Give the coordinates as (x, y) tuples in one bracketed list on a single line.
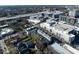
[(62, 49), (31, 30), (68, 19), (71, 49), (53, 14), (34, 19), (54, 45), (61, 30), (59, 49), (5, 32), (72, 17)]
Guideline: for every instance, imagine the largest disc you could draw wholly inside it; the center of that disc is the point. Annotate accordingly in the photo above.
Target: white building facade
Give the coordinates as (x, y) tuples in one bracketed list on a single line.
[(60, 30)]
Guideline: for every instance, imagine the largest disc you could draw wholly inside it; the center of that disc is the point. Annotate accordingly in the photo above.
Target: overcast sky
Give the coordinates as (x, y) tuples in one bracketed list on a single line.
[(38, 2)]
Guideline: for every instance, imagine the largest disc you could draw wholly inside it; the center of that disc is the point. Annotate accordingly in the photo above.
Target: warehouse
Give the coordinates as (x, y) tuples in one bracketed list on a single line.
[(59, 49), (71, 49)]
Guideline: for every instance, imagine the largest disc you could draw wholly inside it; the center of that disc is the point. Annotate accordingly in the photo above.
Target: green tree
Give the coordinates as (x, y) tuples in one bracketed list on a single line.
[(34, 37)]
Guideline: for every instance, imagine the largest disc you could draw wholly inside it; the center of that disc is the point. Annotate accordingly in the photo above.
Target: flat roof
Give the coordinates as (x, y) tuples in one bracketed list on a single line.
[(60, 49), (6, 30), (64, 27), (71, 49)]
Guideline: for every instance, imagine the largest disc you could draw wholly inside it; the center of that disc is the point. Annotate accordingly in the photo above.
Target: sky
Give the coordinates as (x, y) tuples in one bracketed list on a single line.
[(39, 2)]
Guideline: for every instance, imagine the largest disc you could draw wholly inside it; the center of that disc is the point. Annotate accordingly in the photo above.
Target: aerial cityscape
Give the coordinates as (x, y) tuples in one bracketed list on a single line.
[(39, 29)]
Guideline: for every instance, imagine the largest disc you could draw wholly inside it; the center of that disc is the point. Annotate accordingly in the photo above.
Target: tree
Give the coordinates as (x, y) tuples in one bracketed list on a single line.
[(34, 37)]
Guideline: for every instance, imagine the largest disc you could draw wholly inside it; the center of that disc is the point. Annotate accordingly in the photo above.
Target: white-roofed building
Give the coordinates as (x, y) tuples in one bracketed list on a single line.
[(52, 14), (6, 31), (34, 21), (59, 49), (1, 26), (61, 30), (71, 49)]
